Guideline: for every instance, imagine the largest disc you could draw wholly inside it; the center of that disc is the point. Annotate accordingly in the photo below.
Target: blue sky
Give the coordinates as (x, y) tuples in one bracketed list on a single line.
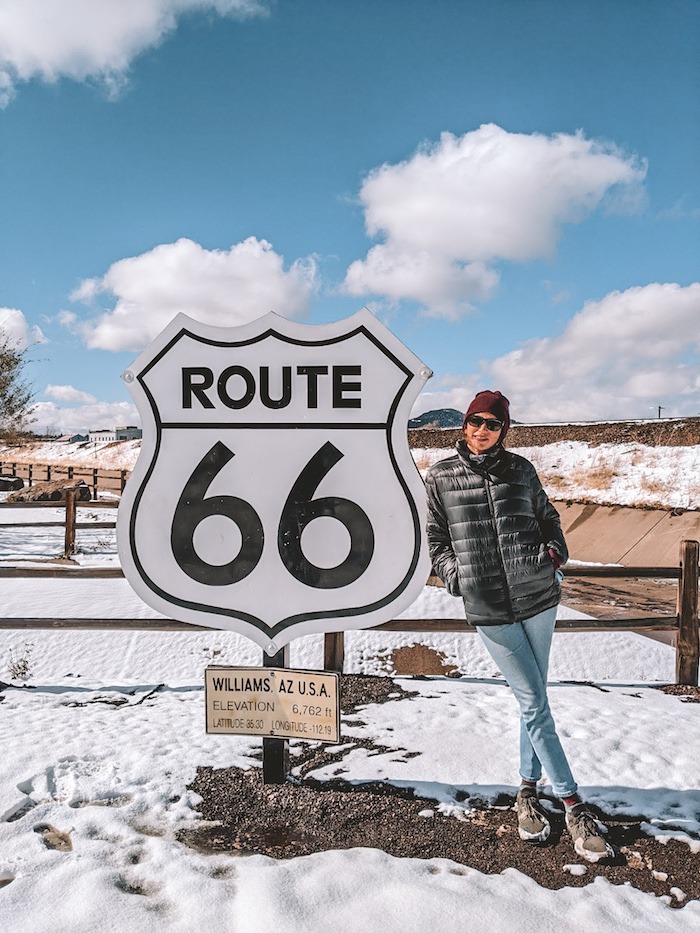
[(512, 186)]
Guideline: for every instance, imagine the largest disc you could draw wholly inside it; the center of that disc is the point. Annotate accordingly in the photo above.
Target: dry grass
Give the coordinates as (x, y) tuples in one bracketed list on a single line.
[(658, 487), (599, 476), (422, 459), (19, 662), (555, 482)]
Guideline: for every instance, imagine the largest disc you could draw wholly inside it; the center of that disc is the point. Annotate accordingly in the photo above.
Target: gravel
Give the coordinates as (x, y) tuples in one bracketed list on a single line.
[(241, 815), (665, 432)]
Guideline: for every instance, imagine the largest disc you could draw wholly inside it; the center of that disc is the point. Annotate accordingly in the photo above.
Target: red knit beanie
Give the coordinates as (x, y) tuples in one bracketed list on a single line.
[(494, 402)]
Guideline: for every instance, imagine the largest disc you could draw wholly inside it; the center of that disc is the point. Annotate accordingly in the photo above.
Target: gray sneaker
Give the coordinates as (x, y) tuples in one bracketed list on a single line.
[(533, 823), (587, 833)]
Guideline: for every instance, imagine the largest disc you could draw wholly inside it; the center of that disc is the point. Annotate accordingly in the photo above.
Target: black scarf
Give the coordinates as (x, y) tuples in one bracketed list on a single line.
[(494, 462)]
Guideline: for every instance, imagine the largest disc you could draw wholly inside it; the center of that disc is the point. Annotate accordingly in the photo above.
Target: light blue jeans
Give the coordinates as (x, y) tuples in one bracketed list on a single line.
[(521, 651)]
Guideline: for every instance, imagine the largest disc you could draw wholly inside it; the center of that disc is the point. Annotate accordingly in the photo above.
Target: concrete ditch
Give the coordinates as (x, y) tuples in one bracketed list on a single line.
[(624, 535)]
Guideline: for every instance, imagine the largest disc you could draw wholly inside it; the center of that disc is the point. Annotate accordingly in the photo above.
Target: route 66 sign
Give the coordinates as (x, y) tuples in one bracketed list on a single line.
[(275, 494)]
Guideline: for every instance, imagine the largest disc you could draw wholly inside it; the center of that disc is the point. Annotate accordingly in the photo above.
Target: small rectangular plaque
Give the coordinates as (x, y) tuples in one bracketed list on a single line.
[(273, 702)]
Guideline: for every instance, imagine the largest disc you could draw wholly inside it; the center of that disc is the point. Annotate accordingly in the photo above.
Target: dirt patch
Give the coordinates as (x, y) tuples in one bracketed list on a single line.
[(243, 815), (687, 693), (358, 690), (420, 659), (54, 491)]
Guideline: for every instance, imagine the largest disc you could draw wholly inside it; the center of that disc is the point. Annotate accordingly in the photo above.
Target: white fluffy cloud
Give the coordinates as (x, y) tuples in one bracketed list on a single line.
[(17, 330), (620, 357), (69, 394), (448, 390), (456, 208), (79, 419), (91, 39), (218, 287)]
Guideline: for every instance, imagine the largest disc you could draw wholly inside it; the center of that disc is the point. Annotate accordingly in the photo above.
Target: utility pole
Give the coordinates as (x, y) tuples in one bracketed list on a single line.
[(660, 410)]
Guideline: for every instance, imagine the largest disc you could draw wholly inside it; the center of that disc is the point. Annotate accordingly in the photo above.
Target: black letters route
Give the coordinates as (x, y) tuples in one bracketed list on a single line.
[(198, 380)]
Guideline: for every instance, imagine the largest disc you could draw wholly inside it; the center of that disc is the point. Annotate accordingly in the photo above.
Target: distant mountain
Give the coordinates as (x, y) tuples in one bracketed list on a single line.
[(439, 418)]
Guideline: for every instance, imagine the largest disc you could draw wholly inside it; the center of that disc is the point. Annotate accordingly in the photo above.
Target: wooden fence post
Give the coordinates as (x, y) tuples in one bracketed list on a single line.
[(95, 472), (70, 523), (334, 651), (687, 641)]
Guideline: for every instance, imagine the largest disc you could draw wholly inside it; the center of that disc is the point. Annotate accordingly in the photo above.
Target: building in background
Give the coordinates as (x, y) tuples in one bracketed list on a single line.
[(102, 436), (127, 432)]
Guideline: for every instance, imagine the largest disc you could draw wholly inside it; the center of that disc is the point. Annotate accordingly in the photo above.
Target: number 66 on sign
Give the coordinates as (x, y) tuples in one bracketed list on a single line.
[(275, 494)]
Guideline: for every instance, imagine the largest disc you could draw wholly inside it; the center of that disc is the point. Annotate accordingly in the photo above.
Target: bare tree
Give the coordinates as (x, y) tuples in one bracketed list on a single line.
[(15, 392)]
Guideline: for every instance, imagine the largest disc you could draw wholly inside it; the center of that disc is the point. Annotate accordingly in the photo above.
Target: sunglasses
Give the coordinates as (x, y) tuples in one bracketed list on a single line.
[(491, 423)]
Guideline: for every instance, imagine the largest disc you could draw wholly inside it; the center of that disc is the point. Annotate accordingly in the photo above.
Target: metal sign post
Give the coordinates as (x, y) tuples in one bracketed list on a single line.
[(276, 751)]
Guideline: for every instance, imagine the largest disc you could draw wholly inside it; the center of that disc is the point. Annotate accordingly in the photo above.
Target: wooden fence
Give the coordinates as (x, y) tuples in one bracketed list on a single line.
[(97, 479), (70, 522), (683, 625)]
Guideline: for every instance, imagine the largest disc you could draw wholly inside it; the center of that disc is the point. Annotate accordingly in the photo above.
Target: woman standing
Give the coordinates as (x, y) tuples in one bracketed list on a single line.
[(496, 541)]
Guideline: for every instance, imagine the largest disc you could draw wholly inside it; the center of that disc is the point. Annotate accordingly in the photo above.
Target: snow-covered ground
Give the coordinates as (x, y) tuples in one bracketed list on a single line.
[(93, 749), (611, 474)]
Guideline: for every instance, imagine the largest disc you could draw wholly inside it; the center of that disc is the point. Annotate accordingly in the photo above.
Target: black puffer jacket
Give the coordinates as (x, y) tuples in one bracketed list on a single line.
[(490, 526)]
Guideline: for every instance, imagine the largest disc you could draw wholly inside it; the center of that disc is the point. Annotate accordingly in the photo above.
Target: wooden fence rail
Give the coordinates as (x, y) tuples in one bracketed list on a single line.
[(95, 477), (71, 504), (684, 625)]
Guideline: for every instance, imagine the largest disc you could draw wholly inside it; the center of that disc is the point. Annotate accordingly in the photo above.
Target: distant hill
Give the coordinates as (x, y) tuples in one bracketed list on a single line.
[(438, 418)]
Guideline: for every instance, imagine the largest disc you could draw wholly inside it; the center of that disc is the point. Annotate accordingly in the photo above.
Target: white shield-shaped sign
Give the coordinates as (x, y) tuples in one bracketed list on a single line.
[(275, 494)]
